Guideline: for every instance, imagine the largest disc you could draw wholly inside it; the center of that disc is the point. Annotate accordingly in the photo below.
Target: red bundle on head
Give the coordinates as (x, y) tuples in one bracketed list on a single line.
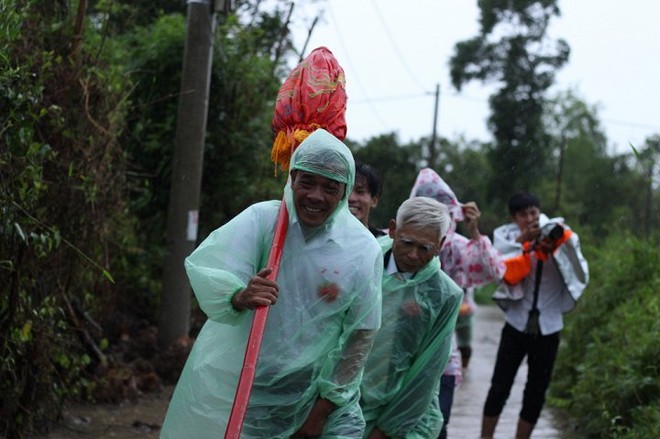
[(312, 96)]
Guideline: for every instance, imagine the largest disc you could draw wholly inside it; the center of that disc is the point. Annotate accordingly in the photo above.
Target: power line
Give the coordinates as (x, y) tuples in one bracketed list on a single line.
[(395, 47), (333, 19), (632, 124), (467, 98), (416, 96), (391, 98)]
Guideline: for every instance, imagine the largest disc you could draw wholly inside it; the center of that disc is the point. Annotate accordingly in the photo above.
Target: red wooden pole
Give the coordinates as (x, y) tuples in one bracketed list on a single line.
[(246, 379)]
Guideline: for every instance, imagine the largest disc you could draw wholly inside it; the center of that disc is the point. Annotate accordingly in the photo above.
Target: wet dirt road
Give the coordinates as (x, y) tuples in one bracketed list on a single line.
[(142, 419), (465, 420), (128, 420)]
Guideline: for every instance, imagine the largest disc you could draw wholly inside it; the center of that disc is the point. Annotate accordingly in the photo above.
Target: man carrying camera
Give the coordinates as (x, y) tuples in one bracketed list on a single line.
[(546, 274)]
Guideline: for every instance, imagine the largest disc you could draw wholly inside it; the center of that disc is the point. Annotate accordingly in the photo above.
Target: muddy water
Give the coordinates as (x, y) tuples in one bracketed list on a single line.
[(143, 419)]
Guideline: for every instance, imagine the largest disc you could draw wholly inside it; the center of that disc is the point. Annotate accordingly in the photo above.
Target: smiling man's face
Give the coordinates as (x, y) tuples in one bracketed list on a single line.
[(315, 197), (360, 202)]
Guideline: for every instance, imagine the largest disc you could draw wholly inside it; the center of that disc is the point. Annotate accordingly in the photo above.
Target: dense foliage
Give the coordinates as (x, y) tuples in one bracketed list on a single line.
[(607, 375), (88, 92), (62, 225), (513, 49), (88, 108)]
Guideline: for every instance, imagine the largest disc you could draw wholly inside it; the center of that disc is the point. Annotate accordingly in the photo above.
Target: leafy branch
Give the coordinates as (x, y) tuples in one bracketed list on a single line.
[(105, 272)]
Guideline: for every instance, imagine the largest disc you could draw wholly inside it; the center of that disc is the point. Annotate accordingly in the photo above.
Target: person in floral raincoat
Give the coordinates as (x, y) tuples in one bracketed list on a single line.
[(471, 262)]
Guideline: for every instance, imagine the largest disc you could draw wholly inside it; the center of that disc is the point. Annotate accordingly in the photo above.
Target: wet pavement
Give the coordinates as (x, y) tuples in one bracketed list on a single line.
[(465, 421), (142, 419)]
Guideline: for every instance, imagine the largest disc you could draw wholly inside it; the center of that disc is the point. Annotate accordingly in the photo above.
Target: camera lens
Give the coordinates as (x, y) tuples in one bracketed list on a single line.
[(556, 232)]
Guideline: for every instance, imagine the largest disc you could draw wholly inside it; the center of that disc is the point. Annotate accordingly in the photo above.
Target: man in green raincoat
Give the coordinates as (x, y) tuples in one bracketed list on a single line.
[(420, 305), (326, 309)]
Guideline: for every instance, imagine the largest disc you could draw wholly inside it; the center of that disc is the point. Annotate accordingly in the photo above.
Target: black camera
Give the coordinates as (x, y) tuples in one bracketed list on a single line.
[(552, 231)]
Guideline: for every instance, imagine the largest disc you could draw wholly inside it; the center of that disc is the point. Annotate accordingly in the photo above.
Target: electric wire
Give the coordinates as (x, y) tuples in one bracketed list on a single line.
[(390, 98), (417, 96), (376, 114), (628, 124), (369, 100), (395, 47)]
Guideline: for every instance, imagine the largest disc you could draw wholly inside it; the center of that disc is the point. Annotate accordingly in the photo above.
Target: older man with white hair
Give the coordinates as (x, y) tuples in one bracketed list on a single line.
[(420, 304)]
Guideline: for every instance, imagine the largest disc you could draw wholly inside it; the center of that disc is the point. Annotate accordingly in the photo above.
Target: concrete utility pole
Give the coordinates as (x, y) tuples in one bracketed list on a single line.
[(187, 164), (432, 152)]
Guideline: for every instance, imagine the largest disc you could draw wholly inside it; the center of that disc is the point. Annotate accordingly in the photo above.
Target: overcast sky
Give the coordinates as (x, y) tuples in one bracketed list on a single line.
[(394, 53)]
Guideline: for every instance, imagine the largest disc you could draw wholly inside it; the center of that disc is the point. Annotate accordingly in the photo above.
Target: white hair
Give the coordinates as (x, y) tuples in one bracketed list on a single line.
[(422, 213)]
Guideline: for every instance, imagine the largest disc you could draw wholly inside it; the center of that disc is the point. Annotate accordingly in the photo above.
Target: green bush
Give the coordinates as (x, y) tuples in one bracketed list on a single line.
[(87, 130), (61, 211), (607, 373)]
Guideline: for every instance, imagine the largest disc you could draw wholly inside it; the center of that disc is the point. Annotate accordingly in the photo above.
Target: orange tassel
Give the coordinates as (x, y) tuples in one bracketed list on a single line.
[(285, 143)]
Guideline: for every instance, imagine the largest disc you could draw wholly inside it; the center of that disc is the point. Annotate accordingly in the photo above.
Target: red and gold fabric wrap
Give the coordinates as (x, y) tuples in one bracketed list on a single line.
[(312, 96)]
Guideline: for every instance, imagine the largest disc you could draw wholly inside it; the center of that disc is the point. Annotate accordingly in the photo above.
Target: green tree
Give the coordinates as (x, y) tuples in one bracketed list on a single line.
[(647, 160), (237, 168), (571, 121), (588, 186), (62, 222), (397, 165), (513, 49), (465, 168), (123, 16), (152, 57), (246, 77)]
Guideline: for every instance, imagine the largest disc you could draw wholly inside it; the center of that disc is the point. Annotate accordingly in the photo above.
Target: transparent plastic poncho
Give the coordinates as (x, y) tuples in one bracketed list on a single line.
[(313, 346), (401, 379)]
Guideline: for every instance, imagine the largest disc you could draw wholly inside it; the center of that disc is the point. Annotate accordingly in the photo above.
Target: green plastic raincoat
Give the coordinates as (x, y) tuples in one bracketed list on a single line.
[(314, 345), (402, 376)]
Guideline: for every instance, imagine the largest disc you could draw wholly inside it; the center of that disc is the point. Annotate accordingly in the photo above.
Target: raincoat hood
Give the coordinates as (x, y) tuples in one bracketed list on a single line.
[(430, 184), (323, 154)]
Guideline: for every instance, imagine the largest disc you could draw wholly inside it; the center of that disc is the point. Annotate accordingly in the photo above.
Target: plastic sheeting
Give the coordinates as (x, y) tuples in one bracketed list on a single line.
[(571, 265), (402, 375), (468, 262), (313, 345), (312, 96), (430, 184)]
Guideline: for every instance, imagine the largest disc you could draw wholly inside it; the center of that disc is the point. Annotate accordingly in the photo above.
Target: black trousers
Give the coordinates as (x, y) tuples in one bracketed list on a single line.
[(541, 352), (447, 385)]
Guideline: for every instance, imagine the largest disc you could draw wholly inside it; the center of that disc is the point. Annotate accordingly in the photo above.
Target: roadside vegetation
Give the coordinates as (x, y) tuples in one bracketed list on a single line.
[(607, 375)]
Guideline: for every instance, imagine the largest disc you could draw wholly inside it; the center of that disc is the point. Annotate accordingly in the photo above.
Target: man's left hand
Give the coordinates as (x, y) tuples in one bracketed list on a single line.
[(377, 433), (472, 214), (315, 422)]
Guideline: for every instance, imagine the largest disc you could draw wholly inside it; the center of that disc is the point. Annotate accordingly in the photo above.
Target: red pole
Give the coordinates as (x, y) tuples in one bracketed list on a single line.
[(321, 103), (246, 379)]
